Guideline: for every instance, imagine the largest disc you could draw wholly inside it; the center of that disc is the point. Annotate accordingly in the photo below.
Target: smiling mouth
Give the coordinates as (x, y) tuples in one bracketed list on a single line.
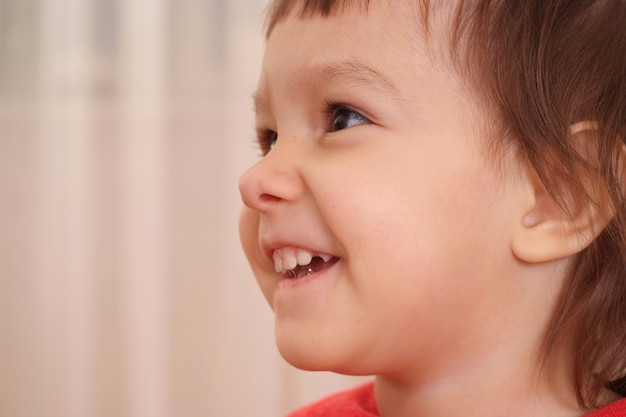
[(297, 263)]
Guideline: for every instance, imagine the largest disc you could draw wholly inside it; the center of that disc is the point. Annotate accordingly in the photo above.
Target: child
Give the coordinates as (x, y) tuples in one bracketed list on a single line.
[(441, 203)]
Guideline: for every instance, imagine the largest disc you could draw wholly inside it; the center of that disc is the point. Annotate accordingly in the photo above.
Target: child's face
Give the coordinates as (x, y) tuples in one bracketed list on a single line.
[(381, 163)]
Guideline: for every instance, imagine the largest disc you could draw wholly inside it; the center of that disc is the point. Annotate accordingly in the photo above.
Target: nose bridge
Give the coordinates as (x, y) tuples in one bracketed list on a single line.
[(274, 178)]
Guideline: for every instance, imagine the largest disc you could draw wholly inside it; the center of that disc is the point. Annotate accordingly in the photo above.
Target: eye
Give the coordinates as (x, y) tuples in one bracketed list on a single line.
[(267, 139), (342, 117)]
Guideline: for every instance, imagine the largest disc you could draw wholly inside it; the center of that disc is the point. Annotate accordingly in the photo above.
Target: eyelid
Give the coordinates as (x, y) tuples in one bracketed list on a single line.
[(331, 111), (332, 106)]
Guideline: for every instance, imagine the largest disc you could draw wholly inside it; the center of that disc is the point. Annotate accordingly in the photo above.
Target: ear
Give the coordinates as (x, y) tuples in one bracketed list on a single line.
[(548, 231)]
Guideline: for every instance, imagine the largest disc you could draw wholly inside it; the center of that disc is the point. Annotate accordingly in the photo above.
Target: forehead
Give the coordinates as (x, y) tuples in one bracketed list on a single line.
[(364, 46), (279, 9)]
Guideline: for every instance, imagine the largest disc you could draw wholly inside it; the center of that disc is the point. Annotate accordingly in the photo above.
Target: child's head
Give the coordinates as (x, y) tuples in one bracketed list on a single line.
[(449, 176)]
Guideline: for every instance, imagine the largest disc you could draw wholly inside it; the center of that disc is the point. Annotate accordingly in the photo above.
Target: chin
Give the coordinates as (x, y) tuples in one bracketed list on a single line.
[(315, 357), (305, 356)]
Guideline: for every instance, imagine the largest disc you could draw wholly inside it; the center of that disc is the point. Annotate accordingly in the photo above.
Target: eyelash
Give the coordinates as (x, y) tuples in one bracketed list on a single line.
[(266, 138)]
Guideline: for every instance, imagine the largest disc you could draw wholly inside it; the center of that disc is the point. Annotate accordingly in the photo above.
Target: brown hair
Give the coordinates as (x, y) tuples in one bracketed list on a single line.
[(545, 65)]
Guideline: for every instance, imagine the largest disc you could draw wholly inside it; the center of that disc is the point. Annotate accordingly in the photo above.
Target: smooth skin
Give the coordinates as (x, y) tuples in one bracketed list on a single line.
[(376, 153)]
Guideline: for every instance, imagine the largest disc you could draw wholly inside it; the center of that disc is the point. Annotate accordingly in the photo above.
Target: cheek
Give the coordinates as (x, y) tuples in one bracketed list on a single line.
[(426, 223)]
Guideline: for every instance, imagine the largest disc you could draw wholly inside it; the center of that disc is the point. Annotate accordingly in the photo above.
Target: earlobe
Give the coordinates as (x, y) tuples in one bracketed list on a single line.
[(543, 236), (548, 231)]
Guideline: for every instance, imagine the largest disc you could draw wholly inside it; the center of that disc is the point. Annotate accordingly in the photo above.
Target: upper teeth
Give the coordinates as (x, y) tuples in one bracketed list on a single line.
[(287, 259)]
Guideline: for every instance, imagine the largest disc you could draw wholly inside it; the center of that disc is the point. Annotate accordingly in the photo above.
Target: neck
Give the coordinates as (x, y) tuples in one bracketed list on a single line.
[(508, 388)]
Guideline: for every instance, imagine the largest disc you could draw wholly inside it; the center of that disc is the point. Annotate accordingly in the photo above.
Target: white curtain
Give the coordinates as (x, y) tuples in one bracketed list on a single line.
[(124, 125)]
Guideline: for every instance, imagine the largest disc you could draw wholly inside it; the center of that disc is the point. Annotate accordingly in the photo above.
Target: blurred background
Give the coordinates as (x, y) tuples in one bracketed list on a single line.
[(124, 126)]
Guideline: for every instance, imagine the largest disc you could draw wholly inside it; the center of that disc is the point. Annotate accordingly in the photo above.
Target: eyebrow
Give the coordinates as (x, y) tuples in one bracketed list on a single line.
[(350, 73)]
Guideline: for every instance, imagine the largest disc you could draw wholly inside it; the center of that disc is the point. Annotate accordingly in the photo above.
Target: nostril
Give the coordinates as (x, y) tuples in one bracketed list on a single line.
[(268, 198)]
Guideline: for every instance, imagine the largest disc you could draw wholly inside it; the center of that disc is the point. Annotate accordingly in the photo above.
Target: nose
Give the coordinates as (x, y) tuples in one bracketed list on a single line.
[(272, 180)]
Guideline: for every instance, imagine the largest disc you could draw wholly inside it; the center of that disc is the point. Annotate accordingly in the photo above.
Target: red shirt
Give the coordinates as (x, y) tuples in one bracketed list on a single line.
[(360, 402)]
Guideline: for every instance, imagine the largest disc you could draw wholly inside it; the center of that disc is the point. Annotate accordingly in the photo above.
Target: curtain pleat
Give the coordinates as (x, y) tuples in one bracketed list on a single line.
[(124, 126)]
